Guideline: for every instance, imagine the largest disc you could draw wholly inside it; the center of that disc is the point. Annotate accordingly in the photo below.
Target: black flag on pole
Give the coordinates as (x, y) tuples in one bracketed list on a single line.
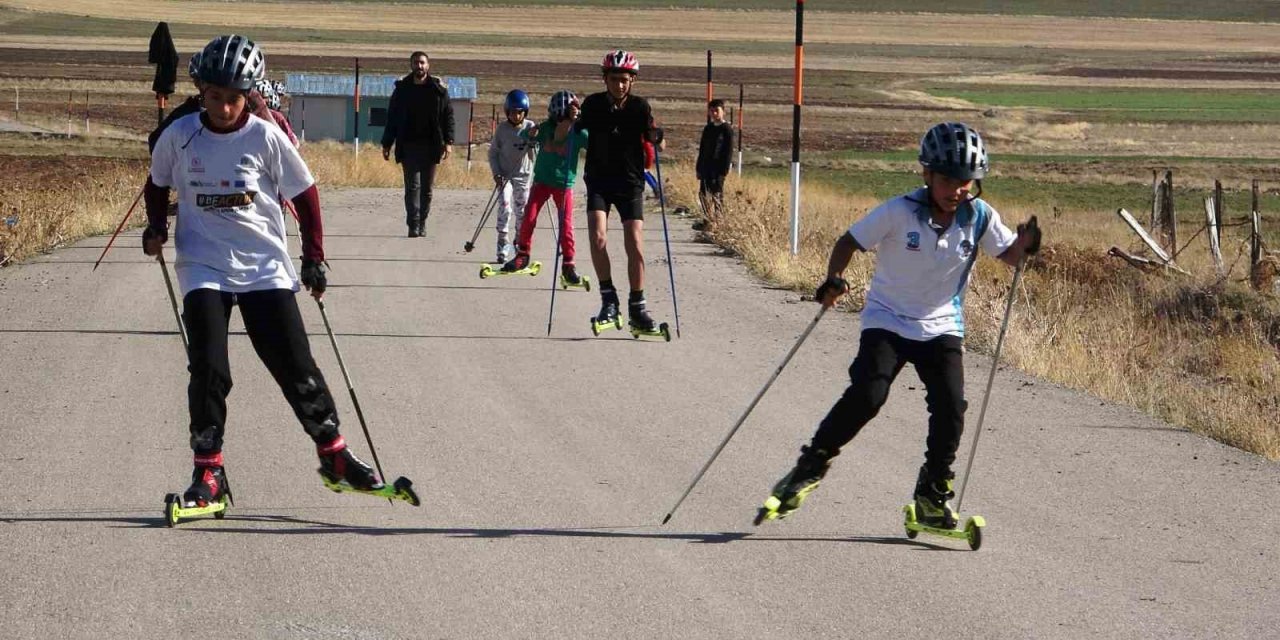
[(163, 54)]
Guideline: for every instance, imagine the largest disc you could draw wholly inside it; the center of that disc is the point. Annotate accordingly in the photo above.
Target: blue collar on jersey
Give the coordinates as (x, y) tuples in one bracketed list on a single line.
[(924, 208)]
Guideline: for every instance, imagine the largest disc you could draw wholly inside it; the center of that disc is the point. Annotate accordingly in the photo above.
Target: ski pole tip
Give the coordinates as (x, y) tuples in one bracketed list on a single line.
[(667, 519)]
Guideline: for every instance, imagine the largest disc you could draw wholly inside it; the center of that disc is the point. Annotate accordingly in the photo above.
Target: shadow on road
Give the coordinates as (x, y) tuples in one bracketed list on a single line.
[(398, 336)]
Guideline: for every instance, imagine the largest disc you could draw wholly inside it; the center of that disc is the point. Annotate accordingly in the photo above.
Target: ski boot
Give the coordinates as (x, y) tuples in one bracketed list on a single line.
[(642, 324), (794, 487), (608, 316), (342, 472), (517, 265), (931, 513), (569, 278), (209, 493)]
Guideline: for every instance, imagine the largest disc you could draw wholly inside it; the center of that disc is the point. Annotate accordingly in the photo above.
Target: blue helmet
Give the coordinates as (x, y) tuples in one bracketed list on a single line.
[(517, 100)]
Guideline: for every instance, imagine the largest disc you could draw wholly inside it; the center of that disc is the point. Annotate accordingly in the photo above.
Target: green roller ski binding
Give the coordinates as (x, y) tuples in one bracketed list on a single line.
[(175, 509), (932, 513), (608, 318), (401, 489), (793, 488), (569, 279), (514, 267), (642, 324)]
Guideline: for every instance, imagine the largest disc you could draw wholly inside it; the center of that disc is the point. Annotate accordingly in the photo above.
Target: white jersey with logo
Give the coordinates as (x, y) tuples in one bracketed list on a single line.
[(230, 230), (921, 274)]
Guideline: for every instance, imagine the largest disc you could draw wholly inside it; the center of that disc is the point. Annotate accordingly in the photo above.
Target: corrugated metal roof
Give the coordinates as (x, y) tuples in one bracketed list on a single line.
[(371, 85)]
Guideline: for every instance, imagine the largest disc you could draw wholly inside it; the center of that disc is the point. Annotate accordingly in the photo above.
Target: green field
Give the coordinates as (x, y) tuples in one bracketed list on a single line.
[(1130, 105), (1222, 10)]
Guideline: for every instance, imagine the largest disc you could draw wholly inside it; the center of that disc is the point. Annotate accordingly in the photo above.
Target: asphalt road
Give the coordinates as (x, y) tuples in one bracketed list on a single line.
[(546, 464)]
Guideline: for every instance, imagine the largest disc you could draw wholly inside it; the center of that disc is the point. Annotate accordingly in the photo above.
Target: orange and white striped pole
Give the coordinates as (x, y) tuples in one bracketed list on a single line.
[(795, 130), (711, 93)]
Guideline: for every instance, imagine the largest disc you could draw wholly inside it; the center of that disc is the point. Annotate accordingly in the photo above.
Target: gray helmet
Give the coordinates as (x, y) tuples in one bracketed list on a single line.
[(954, 149), (193, 66), (558, 106), (232, 61)]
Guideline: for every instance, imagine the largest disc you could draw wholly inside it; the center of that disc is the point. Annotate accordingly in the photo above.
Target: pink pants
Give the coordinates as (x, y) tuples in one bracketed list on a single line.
[(564, 202)]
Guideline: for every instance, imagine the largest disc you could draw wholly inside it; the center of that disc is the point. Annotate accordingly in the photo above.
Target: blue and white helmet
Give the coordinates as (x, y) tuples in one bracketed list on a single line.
[(558, 107)]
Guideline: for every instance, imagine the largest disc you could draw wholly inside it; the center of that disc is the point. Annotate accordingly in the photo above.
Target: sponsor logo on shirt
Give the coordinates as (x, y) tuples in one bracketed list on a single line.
[(209, 201), (239, 184), (966, 247), (913, 241), (195, 166)]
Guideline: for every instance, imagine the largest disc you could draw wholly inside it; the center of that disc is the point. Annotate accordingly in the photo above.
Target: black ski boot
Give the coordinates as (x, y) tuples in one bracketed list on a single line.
[(337, 463), (518, 263), (608, 316), (569, 278), (643, 324), (931, 495), (208, 482), (794, 487)]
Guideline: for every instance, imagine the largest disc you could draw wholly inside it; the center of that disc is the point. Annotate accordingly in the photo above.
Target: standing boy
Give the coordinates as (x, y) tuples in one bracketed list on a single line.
[(926, 243), (511, 160), (232, 170), (554, 172), (420, 126), (618, 123), (714, 157)]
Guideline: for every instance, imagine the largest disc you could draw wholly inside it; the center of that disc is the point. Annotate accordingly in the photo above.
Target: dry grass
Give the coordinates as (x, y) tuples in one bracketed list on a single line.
[(1202, 352), (336, 165)]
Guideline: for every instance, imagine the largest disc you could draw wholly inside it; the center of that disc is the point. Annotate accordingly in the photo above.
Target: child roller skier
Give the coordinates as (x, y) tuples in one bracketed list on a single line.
[(230, 169), (618, 122), (554, 172), (926, 243), (511, 160)]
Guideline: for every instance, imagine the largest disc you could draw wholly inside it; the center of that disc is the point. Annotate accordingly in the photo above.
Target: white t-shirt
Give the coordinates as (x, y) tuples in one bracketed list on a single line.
[(230, 231), (921, 275)]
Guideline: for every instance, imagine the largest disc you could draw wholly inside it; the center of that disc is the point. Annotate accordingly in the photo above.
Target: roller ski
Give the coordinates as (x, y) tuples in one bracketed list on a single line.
[(569, 279), (608, 318), (793, 488), (931, 513), (518, 265), (642, 324), (209, 493), (342, 472)]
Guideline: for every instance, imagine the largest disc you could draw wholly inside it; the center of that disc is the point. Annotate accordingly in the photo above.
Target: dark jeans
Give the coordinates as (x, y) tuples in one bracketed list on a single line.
[(419, 167), (711, 190), (275, 328), (881, 355)]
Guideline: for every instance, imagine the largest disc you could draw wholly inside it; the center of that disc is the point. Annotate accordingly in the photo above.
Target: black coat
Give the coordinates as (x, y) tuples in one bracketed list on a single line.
[(419, 117)]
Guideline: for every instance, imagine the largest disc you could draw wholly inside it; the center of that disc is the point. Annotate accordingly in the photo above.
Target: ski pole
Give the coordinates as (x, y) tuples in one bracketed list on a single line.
[(751, 407), (666, 237), (119, 227), (364, 426), (173, 302), (484, 217), (991, 378), (551, 313)]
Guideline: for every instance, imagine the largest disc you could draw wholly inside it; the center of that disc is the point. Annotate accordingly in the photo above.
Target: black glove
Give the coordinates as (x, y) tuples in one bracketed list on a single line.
[(313, 277), (1032, 228), (152, 235), (828, 286)]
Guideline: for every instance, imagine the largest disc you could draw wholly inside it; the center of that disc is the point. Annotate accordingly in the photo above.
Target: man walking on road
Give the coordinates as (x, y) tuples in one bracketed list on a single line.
[(420, 126)]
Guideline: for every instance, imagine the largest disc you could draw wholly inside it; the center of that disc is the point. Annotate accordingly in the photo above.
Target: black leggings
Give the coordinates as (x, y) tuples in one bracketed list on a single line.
[(275, 328), (881, 355)]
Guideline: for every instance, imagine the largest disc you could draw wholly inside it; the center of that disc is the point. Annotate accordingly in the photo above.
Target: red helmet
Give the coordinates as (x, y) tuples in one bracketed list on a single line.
[(620, 60)]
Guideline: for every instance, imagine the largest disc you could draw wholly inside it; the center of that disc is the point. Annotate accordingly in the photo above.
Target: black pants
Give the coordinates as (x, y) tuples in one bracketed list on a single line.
[(275, 328), (419, 167), (881, 355), (711, 190)]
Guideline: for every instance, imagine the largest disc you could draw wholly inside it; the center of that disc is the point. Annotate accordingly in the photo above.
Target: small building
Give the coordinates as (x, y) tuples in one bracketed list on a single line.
[(321, 105)]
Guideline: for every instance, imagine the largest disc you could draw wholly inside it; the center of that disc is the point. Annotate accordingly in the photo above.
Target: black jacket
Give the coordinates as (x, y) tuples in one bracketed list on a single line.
[(715, 151), (420, 116), (615, 141)]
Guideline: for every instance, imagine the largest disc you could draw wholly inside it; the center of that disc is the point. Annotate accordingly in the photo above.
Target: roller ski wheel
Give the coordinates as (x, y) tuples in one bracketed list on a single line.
[(971, 532), (599, 326), (401, 489), (583, 283), (175, 510), (661, 331)]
